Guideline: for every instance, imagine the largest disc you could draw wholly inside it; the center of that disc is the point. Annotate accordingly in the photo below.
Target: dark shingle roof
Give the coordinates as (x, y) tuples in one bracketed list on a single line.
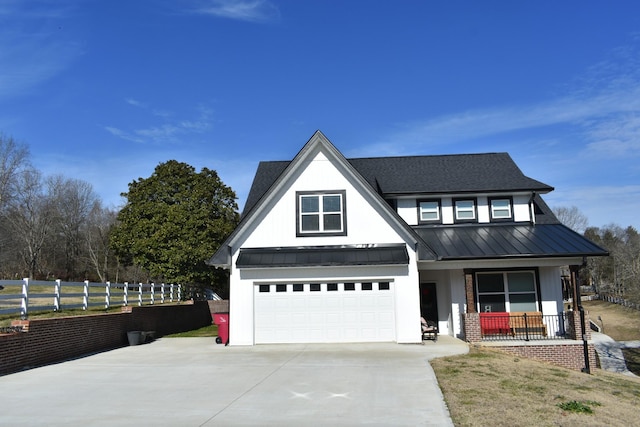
[(461, 173)]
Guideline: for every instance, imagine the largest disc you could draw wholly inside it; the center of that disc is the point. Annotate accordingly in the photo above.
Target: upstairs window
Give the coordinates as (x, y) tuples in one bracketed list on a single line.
[(321, 213), (500, 209), (429, 211), (465, 210)]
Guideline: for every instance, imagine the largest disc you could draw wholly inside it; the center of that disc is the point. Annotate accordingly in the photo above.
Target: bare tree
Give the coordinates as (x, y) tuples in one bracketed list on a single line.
[(99, 224), (73, 200), (572, 218), (14, 157), (29, 214)]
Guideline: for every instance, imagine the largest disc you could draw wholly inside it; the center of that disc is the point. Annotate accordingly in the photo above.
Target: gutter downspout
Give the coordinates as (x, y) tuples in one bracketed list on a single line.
[(532, 209)]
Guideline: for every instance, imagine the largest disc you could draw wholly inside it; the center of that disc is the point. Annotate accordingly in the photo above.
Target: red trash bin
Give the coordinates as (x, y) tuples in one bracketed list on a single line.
[(222, 320)]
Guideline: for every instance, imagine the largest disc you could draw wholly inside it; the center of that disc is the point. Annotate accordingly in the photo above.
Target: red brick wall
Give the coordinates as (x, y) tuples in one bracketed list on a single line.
[(56, 339), (566, 355), (471, 328)]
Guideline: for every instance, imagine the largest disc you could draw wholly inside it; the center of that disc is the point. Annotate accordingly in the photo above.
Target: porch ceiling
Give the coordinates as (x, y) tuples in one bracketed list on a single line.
[(496, 241)]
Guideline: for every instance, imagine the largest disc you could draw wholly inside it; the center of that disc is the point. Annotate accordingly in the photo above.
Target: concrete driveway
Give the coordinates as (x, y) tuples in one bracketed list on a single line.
[(194, 382)]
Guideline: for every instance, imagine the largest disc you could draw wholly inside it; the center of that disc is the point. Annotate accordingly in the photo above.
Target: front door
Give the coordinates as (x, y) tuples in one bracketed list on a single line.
[(428, 302)]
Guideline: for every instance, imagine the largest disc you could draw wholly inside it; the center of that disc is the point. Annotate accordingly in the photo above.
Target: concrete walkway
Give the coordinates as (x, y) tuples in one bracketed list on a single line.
[(610, 352), (194, 382)]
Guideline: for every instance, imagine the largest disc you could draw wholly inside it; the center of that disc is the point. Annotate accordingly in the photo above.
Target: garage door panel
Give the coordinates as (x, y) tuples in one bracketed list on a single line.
[(363, 314)]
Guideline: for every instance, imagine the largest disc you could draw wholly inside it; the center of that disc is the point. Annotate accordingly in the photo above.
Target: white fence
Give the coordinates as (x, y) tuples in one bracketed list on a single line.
[(73, 295)]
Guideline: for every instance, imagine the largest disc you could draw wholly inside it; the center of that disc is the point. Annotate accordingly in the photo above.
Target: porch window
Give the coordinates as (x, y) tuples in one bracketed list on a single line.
[(506, 291), (321, 214)]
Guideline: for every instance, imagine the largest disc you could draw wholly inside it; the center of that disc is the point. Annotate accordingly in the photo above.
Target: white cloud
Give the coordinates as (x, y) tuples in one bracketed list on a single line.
[(135, 103), (167, 132), (34, 46), (242, 10), (603, 204)]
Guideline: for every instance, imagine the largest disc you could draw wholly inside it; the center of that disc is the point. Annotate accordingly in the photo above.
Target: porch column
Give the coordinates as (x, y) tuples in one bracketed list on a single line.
[(468, 287), (472, 329)]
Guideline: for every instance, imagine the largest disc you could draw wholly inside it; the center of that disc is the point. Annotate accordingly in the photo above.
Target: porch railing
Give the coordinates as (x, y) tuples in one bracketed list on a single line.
[(523, 326)]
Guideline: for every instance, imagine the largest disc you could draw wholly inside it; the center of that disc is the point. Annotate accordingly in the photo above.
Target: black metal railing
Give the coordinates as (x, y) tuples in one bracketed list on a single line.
[(522, 326)]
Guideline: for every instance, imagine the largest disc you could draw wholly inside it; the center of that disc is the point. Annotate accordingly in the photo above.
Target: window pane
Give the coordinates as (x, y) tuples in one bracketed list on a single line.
[(429, 211), (349, 286), (281, 288), (367, 286), (492, 303), (298, 287), (264, 288), (523, 302), (314, 287), (332, 286), (383, 286), (332, 222), (490, 283), (310, 222), (521, 282), (465, 209), (309, 204), (331, 204), (501, 208)]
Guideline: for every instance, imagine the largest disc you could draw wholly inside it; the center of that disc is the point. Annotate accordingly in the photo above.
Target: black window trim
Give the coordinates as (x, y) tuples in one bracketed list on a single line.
[(429, 221), (343, 232), (475, 210), (489, 203), (536, 274)]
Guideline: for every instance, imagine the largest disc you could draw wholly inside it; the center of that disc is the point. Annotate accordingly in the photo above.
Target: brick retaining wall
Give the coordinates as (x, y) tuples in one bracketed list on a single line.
[(569, 354), (56, 339), (566, 355)]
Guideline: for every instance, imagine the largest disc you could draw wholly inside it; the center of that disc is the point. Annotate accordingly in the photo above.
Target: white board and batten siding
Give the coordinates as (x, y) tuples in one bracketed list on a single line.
[(323, 316)]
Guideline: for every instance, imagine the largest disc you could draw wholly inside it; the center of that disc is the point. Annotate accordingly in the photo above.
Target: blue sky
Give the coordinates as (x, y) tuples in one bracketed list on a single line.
[(105, 90)]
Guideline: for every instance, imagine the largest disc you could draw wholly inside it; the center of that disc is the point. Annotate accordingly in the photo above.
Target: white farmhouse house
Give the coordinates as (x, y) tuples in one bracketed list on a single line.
[(331, 249)]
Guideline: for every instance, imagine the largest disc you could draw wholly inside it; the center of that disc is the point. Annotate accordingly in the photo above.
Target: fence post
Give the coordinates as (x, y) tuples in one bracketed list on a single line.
[(126, 294), (107, 295), (162, 295), (153, 293), (139, 294), (171, 292), (56, 297), (85, 298), (179, 292), (24, 305)]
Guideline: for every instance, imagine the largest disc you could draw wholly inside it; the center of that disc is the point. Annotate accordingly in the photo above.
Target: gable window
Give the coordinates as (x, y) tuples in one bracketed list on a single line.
[(465, 210), (429, 210), (507, 291), (500, 209), (321, 213)]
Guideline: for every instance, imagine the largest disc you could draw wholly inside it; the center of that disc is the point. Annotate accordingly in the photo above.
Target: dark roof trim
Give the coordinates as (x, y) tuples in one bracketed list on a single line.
[(315, 256)]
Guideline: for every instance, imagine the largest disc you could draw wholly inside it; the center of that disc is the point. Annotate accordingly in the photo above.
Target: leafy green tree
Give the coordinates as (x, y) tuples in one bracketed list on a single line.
[(173, 221)]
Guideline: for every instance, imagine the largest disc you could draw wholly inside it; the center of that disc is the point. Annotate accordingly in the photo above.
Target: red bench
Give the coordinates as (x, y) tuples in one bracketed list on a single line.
[(494, 323)]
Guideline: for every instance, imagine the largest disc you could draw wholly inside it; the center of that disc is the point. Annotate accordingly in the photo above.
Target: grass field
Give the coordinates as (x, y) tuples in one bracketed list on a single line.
[(487, 387)]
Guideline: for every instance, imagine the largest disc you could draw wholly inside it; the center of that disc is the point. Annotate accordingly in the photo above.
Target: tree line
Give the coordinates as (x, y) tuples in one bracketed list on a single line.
[(55, 227), (619, 273)]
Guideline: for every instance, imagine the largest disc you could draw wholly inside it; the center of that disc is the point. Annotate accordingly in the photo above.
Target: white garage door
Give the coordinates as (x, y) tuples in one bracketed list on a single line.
[(324, 312)]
